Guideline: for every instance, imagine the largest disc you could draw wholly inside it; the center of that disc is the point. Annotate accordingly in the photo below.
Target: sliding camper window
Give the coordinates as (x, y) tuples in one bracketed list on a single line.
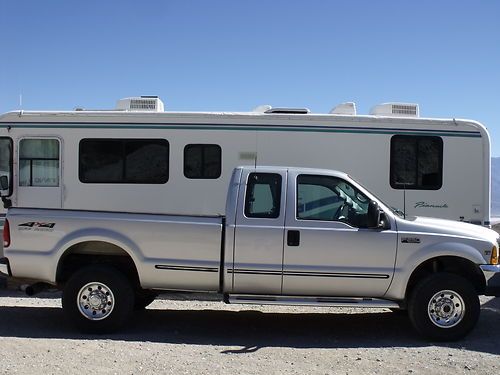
[(416, 162), (202, 161), (123, 161), (39, 162)]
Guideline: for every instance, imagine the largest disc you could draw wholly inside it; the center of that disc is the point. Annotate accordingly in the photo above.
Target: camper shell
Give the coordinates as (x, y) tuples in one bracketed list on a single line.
[(139, 158)]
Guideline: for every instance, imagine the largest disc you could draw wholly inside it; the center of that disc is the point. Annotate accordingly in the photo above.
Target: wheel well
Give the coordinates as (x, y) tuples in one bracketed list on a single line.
[(95, 252), (455, 265)]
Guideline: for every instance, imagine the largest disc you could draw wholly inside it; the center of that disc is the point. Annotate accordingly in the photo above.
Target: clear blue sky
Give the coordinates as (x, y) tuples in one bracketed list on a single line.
[(235, 55)]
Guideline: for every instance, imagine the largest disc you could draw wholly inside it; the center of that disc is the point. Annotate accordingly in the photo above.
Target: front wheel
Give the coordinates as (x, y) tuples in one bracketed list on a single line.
[(98, 299), (444, 307)]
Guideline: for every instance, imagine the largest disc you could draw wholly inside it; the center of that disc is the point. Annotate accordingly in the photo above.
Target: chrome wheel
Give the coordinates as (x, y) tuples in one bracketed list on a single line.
[(95, 301), (446, 309)]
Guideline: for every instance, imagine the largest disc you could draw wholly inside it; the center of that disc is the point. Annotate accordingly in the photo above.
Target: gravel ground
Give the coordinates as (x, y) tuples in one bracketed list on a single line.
[(192, 337)]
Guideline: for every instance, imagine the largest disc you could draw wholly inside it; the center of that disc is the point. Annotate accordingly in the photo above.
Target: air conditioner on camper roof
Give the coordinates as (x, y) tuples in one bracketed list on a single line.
[(140, 104), (396, 110)]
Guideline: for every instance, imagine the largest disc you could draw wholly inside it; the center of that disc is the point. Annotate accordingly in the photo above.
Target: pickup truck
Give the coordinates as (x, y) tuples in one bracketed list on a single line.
[(290, 236)]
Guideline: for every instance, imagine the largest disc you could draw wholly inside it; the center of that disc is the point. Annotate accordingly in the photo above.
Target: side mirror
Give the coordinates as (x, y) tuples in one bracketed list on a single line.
[(373, 215)]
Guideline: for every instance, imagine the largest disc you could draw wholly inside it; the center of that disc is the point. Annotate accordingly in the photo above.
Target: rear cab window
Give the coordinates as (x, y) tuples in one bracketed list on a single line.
[(263, 196)]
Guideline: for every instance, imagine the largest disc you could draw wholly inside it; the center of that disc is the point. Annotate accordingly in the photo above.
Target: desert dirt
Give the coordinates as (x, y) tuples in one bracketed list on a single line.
[(192, 337)]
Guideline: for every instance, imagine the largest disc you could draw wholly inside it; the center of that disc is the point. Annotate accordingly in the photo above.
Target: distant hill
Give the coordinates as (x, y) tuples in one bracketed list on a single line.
[(495, 186)]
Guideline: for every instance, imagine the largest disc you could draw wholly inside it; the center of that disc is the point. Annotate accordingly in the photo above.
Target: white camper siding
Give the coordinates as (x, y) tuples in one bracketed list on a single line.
[(358, 145)]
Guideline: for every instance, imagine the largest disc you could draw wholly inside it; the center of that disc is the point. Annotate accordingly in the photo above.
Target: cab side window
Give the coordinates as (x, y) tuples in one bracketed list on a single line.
[(263, 196), (328, 198)]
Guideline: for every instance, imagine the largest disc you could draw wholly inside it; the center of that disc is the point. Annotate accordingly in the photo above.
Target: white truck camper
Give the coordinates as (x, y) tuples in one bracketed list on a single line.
[(139, 158)]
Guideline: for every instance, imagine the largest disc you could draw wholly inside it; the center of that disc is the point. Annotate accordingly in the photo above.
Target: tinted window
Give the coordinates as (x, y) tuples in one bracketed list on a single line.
[(202, 161), (263, 195), (133, 161), (416, 162), (39, 162)]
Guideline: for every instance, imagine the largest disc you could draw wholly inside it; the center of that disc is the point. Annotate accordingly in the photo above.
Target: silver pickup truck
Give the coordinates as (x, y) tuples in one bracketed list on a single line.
[(290, 236)]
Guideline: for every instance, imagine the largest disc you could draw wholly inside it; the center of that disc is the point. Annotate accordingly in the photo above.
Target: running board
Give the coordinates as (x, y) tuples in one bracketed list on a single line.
[(311, 301)]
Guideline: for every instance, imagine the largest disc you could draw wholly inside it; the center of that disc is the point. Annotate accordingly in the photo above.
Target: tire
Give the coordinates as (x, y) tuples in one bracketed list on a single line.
[(444, 307), (144, 298), (98, 299)]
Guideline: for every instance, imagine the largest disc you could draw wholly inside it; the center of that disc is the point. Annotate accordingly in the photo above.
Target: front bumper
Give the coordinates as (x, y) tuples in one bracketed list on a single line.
[(5, 267), (492, 276)]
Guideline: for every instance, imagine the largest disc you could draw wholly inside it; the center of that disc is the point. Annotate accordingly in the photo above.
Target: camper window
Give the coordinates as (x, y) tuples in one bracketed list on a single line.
[(124, 161), (202, 161), (39, 162), (416, 162), (6, 162)]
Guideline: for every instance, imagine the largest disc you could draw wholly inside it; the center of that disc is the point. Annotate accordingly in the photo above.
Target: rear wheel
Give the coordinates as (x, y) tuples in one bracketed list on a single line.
[(444, 307), (98, 299)]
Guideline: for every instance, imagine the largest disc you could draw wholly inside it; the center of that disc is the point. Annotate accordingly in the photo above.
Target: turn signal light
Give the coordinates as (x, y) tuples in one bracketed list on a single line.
[(494, 255)]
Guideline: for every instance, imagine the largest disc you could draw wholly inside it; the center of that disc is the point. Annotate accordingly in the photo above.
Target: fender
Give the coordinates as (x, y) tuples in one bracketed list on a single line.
[(405, 266), (96, 234)]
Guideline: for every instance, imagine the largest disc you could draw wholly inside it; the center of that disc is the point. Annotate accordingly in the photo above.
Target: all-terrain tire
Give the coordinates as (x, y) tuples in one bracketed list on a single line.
[(444, 307), (98, 299)]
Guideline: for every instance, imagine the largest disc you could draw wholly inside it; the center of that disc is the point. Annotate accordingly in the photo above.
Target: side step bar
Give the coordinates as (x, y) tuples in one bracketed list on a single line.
[(310, 301)]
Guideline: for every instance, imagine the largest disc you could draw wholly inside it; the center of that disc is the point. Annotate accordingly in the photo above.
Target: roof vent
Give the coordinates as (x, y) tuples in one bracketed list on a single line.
[(140, 104), (396, 110), (296, 111), (348, 108), (262, 108)]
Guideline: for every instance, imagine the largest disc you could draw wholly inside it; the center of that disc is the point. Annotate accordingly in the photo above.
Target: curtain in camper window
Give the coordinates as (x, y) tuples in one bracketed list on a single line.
[(39, 162)]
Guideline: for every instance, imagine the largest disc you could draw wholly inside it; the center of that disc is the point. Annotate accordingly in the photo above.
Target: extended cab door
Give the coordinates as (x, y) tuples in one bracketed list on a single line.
[(258, 239), (328, 248)]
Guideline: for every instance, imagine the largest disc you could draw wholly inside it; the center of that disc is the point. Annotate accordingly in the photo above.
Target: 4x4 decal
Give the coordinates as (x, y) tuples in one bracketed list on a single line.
[(36, 226)]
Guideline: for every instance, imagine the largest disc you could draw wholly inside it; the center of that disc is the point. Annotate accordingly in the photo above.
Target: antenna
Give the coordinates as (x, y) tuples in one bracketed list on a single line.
[(404, 200), (20, 101)]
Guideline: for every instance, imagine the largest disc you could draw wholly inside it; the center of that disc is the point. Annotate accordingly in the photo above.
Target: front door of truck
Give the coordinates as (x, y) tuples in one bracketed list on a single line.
[(39, 174), (328, 249), (258, 246)]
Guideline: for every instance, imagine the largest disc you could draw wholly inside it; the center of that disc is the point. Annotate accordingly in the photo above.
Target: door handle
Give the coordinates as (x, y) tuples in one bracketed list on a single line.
[(293, 238)]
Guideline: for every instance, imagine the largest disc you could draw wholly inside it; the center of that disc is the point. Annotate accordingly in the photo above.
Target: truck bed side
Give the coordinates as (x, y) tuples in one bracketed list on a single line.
[(168, 251)]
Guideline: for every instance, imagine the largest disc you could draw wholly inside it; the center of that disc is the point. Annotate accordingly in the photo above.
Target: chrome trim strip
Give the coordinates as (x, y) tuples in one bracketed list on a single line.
[(304, 273), (182, 268)]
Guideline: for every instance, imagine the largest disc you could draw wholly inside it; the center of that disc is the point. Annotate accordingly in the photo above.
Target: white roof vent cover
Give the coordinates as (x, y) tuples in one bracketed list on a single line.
[(396, 110), (140, 104), (348, 108)]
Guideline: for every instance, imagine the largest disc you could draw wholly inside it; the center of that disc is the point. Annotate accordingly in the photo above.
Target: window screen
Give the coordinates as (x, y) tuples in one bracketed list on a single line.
[(202, 161), (263, 195), (124, 161), (416, 162), (39, 162)]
